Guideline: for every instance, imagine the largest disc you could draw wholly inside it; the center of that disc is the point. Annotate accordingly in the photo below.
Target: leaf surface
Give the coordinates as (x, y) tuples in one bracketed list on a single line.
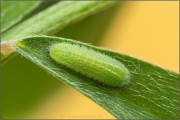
[(153, 92), (55, 18), (14, 11)]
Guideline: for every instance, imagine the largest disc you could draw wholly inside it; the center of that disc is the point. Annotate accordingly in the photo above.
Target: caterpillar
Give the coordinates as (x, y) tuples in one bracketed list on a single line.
[(91, 63)]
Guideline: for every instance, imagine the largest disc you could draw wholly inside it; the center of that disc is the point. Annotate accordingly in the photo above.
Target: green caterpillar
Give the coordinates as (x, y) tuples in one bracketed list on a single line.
[(91, 63)]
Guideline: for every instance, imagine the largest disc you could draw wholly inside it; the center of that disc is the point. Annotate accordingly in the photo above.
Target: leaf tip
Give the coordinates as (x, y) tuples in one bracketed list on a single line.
[(20, 44)]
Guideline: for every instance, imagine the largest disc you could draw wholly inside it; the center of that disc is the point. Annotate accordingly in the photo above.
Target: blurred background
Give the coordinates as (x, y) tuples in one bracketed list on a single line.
[(146, 30)]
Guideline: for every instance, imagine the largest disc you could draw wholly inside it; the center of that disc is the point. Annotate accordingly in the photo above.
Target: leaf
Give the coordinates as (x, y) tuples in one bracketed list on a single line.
[(14, 11), (51, 20), (153, 92), (55, 17)]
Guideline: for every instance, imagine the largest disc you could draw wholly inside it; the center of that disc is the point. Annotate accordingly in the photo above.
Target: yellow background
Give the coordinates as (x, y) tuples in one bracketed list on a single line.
[(147, 30)]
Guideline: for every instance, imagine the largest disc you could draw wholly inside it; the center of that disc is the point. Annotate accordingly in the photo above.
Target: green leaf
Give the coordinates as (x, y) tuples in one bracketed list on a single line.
[(153, 92), (13, 11), (55, 18)]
